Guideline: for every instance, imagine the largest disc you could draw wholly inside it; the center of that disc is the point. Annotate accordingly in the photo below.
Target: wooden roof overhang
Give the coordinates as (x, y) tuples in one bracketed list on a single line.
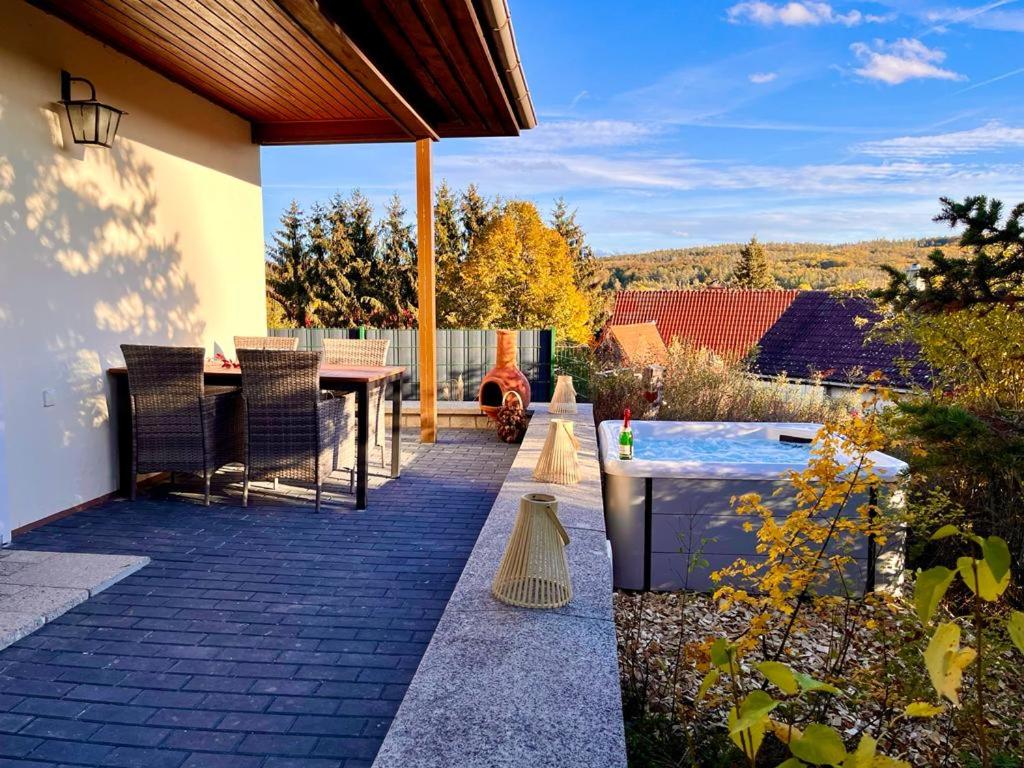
[(328, 71)]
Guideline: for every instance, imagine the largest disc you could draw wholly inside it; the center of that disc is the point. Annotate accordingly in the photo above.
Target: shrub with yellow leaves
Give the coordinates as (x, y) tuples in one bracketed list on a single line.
[(755, 712), (987, 578), (810, 547)]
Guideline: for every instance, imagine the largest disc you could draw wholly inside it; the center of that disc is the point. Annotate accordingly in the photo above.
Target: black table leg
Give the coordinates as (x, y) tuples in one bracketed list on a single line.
[(396, 427), (123, 419), (362, 443)]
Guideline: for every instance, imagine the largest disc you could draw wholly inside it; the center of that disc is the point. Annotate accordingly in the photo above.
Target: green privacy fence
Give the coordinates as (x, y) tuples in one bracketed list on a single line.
[(576, 360), (464, 356)]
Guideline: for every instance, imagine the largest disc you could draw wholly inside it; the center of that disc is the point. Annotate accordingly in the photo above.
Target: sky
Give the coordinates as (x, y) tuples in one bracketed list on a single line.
[(672, 123)]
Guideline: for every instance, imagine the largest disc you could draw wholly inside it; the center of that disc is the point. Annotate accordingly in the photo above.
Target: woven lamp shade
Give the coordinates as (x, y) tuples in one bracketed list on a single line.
[(559, 462), (564, 398), (534, 571)]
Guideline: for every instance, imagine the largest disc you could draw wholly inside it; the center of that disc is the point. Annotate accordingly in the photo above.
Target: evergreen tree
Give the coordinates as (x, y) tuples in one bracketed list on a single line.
[(449, 251), (475, 212), (292, 271), (989, 274), (340, 273), (584, 264), (362, 237), (395, 279), (753, 270)]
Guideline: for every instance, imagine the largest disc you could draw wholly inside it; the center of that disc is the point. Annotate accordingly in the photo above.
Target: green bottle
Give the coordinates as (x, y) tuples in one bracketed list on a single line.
[(626, 439)]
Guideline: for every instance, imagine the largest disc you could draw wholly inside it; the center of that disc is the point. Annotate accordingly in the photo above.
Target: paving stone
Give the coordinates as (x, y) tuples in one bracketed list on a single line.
[(242, 643), (14, 626), (501, 686), (24, 556), (93, 573), (47, 602)]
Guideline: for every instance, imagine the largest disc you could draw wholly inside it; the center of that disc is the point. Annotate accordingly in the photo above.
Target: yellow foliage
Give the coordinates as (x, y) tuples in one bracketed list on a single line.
[(811, 542), (945, 661), (977, 352), (519, 274)]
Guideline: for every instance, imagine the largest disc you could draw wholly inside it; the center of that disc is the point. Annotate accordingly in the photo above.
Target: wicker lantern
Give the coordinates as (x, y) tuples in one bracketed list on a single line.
[(563, 400), (534, 571), (558, 462)]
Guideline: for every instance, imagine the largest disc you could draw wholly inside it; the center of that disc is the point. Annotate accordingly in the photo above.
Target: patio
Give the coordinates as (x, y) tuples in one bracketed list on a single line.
[(267, 637)]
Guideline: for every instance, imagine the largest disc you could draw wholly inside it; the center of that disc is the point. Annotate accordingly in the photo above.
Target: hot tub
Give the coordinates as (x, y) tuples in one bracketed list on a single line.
[(672, 500)]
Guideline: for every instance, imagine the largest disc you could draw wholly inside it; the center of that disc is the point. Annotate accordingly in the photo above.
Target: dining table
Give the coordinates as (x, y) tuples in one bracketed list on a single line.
[(358, 379)]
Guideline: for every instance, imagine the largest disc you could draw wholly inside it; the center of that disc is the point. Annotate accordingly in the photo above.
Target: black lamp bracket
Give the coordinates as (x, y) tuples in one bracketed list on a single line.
[(65, 87)]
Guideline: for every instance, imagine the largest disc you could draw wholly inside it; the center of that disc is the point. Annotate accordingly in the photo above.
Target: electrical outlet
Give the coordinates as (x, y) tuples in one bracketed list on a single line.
[(49, 398)]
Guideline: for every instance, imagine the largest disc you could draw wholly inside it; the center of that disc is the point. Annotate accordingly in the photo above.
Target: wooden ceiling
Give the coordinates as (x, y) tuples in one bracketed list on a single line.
[(309, 71)]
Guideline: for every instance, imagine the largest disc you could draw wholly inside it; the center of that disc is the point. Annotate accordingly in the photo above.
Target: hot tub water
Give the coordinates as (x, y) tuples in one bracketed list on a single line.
[(723, 449)]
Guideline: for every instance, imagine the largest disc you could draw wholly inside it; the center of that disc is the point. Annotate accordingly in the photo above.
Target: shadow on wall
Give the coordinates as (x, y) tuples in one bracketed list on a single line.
[(84, 268)]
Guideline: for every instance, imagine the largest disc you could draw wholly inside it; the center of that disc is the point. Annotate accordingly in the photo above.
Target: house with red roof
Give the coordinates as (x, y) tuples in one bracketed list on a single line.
[(804, 336), (728, 321), (636, 344)]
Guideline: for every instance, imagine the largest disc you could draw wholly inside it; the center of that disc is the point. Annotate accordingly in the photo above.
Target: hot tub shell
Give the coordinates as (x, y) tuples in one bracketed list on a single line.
[(664, 516)]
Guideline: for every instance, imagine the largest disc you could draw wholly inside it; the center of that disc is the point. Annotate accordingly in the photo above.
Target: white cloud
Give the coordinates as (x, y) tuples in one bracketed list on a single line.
[(573, 134), (552, 173), (760, 78), (807, 13), (905, 59), (986, 16), (992, 136)]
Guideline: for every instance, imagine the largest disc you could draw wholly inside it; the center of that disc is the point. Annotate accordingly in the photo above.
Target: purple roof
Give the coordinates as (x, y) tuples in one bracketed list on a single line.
[(818, 334)]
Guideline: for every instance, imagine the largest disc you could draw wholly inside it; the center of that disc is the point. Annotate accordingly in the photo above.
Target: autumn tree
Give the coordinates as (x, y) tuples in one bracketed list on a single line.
[(292, 274), (519, 274), (753, 270)]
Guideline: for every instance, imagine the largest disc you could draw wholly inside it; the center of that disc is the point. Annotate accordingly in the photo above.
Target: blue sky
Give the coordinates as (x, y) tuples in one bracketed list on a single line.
[(683, 122)]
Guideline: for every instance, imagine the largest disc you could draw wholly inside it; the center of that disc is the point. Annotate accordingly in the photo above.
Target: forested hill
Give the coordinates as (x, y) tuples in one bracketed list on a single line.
[(795, 265)]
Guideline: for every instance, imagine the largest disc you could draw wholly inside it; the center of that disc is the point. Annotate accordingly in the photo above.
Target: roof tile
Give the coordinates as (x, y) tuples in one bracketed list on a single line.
[(728, 321), (819, 334)]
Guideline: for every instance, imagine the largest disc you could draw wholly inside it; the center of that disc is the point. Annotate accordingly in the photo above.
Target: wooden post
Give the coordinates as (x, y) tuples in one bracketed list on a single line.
[(427, 307)]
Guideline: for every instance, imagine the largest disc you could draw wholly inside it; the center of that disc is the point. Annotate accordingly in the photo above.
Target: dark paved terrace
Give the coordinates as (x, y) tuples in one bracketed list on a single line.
[(263, 638)]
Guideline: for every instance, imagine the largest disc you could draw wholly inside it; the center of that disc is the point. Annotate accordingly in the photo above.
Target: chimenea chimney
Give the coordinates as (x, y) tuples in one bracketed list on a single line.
[(503, 378)]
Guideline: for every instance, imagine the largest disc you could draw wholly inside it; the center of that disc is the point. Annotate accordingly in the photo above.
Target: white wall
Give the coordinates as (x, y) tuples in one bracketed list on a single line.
[(157, 240)]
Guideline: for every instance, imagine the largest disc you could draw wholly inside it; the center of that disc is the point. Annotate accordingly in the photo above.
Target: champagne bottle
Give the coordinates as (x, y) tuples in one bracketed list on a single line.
[(626, 438)]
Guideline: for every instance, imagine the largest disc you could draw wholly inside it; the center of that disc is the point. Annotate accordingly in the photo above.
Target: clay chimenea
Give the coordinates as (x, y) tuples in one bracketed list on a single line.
[(503, 378)]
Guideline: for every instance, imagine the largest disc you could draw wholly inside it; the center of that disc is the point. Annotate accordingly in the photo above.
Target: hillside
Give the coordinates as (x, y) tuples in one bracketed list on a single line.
[(795, 265)]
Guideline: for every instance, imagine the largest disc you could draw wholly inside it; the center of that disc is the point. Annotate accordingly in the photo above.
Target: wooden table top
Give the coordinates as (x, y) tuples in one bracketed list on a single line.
[(329, 373)]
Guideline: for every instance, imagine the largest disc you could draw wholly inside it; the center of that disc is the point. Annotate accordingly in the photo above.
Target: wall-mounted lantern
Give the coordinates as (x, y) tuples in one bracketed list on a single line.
[(91, 122)]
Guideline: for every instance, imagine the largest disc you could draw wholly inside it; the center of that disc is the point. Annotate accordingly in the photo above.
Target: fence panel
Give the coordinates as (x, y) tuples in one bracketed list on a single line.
[(464, 355)]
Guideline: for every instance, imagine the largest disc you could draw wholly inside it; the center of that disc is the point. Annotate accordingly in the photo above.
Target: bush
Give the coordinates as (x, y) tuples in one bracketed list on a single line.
[(614, 391), (700, 386)]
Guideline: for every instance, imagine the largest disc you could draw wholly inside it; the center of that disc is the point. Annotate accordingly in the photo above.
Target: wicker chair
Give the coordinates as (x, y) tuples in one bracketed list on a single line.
[(293, 431), (368, 353), (178, 423), (266, 342)]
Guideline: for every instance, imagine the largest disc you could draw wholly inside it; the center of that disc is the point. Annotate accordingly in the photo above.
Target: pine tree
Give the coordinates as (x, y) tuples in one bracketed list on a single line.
[(753, 270), (991, 273), (397, 278), (475, 213), (362, 236), (449, 251), (292, 272), (340, 273), (584, 264)]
